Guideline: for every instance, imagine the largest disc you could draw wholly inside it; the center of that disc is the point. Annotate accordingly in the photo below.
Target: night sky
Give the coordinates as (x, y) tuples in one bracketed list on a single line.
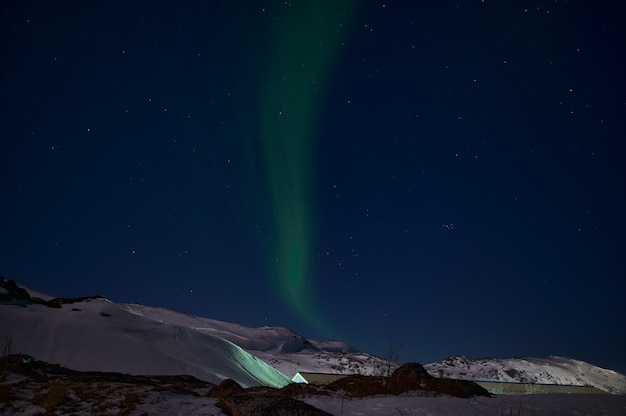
[(448, 175)]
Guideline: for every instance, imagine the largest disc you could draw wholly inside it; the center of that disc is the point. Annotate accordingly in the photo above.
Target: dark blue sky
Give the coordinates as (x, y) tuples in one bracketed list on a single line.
[(458, 168)]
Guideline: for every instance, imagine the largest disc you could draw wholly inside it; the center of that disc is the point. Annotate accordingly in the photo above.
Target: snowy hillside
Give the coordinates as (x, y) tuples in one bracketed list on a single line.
[(551, 370), (96, 334), (269, 339), (93, 333), (280, 347)]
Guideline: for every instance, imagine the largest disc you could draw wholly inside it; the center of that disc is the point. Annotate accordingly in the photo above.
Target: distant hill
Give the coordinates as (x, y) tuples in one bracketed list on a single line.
[(551, 370)]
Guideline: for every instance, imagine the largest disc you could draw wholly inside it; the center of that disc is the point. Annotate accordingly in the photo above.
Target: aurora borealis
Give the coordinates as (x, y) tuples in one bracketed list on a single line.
[(302, 46), (451, 174)]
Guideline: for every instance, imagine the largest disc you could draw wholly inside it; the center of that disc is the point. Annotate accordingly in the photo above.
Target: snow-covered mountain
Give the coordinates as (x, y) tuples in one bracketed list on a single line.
[(551, 370), (280, 347), (93, 333)]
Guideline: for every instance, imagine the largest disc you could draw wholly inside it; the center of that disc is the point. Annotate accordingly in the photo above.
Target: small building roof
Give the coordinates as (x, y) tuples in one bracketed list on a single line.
[(316, 378)]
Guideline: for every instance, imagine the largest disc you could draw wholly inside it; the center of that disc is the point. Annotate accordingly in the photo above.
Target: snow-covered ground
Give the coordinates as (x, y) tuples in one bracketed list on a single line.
[(527, 405), (531, 405), (158, 403)]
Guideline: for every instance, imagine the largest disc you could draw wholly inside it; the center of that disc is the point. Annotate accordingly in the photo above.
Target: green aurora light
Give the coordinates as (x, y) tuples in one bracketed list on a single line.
[(305, 43)]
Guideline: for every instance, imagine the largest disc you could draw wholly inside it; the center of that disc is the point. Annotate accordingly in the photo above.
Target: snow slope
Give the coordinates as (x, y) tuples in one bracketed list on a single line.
[(280, 347), (99, 335), (269, 339)]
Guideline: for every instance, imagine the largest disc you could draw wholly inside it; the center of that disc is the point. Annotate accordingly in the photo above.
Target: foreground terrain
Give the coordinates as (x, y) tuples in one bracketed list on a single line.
[(30, 387)]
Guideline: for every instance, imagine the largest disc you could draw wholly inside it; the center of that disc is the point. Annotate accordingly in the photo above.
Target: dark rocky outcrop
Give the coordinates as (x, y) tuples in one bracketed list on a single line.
[(410, 377), (60, 390), (225, 389), (57, 302), (247, 404), (41, 371), (16, 294), (13, 291), (359, 386)]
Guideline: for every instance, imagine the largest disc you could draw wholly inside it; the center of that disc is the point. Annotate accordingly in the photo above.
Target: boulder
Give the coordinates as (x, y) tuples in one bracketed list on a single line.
[(225, 389), (414, 377), (246, 404), (359, 386), (409, 376), (13, 291)]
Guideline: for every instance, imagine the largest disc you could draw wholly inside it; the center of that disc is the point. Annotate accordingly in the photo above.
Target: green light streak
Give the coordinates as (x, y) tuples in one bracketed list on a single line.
[(304, 45)]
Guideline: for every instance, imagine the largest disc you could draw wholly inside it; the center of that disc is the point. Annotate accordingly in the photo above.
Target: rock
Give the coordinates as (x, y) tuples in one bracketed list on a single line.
[(359, 386), (225, 389), (13, 291), (409, 376), (246, 404), (413, 377)]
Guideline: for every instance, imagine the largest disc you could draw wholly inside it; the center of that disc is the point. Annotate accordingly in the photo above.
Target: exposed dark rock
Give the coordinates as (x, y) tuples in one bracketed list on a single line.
[(44, 371), (13, 291), (513, 373), (359, 386), (59, 390), (246, 404), (457, 388), (409, 376), (67, 301), (225, 389)]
